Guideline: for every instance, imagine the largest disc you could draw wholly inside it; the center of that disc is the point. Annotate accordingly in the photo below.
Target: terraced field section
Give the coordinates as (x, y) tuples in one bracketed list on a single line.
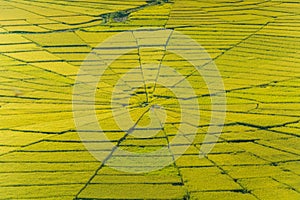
[(254, 44)]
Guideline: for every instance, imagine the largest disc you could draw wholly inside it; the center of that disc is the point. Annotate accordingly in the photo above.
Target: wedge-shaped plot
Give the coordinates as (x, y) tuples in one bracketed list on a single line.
[(44, 178), (18, 138), (221, 195), (281, 193), (206, 179), (43, 192), (236, 159), (31, 167), (48, 157), (238, 172), (133, 191), (56, 39), (12, 39), (34, 56)]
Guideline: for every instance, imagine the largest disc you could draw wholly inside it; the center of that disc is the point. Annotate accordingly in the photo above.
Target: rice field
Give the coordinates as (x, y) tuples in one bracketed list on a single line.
[(48, 152)]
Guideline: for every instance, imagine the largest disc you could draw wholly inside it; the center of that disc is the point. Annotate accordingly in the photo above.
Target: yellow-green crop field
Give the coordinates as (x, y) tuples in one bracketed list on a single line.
[(255, 44)]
